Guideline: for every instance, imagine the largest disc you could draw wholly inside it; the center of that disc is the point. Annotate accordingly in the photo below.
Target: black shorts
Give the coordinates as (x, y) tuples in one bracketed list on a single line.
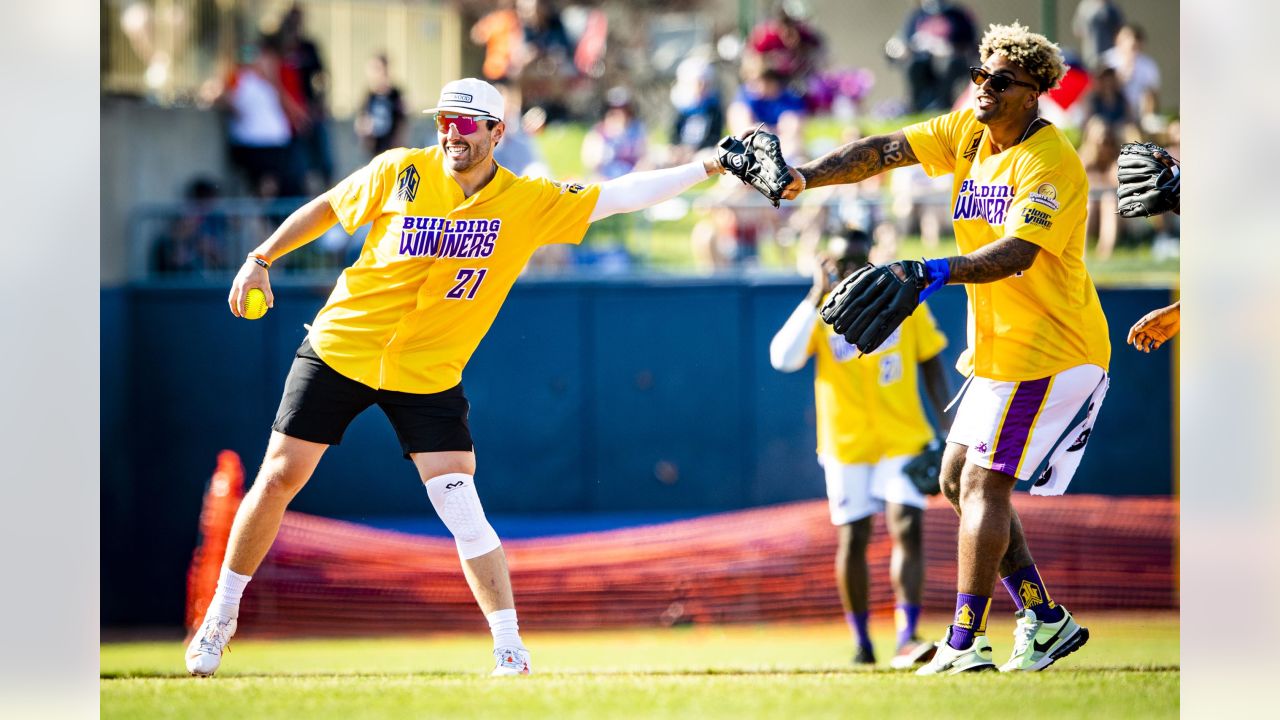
[(319, 403)]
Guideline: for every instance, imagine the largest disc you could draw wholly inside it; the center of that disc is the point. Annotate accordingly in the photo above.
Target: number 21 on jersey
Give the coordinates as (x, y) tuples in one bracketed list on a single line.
[(890, 368), (468, 283)]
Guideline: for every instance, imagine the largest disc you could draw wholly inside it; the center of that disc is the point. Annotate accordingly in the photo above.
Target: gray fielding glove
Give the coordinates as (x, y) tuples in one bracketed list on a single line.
[(925, 470), (757, 161), (1145, 185), (871, 303)]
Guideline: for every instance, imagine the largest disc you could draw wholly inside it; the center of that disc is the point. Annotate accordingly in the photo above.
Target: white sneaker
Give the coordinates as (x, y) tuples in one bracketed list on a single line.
[(1037, 645), (915, 652), (949, 661), (204, 654), (512, 660)]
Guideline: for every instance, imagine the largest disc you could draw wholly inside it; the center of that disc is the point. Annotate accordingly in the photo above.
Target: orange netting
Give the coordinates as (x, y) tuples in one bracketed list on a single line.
[(327, 577)]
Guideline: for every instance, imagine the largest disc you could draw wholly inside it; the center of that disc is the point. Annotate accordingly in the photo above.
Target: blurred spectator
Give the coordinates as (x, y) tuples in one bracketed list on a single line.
[(1096, 23), (258, 130), (937, 45), (502, 35), (788, 45), (735, 220), (545, 58), (1099, 148), (381, 123), (1138, 72), (699, 120), (921, 205), (306, 82), (765, 98), (1107, 100), (195, 241), (617, 144), (517, 152)]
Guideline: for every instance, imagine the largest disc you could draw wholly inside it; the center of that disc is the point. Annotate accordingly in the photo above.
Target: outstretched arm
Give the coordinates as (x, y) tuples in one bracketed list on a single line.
[(1156, 327), (639, 190), (301, 227), (1002, 258), (853, 162)]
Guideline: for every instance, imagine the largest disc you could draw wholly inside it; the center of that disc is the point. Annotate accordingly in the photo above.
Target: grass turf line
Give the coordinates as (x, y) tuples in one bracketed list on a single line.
[(1128, 669)]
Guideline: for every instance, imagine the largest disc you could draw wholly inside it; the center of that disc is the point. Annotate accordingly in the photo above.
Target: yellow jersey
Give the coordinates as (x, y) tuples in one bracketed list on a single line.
[(435, 267), (869, 407), (1048, 318)]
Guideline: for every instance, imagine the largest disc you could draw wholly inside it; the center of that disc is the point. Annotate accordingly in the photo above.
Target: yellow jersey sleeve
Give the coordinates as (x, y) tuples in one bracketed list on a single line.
[(561, 211), (929, 339), (1050, 202), (360, 197), (934, 141)]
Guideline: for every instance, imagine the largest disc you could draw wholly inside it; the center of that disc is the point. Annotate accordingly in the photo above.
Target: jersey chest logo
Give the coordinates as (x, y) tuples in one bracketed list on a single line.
[(407, 184), (437, 237), (985, 202)]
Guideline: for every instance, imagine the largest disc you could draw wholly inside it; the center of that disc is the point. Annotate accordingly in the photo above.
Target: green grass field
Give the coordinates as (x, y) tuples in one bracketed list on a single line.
[(1128, 669)]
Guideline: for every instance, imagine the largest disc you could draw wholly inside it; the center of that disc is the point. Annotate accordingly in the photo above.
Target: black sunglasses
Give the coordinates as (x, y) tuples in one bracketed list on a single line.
[(999, 83)]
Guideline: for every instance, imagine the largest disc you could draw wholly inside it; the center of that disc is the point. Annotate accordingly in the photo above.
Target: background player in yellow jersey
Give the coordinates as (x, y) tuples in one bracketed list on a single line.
[(870, 425), (451, 231), (1038, 344)]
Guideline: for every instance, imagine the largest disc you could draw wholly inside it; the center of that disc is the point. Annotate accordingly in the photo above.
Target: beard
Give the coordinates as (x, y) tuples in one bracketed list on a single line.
[(473, 155)]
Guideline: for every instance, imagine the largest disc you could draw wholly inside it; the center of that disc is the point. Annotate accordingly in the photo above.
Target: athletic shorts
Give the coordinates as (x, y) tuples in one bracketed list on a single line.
[(861, 490), (319, 403), (1034, 428)]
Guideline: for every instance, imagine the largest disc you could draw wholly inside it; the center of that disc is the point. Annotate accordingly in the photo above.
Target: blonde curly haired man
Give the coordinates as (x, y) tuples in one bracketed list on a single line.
[(1038, 341)]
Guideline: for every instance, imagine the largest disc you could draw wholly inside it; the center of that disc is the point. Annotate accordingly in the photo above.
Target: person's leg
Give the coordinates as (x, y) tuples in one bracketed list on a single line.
[(906, 566), (449, 477), (952, 467), (486, 572), (852, 579), (986, 513), (852, 508), (287, 466)]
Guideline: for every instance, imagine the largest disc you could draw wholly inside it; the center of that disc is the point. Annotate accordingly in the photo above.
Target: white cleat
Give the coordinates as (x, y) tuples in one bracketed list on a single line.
[(512, 660), (949, 661), (1038, 644), (204, 654), (915, 652)]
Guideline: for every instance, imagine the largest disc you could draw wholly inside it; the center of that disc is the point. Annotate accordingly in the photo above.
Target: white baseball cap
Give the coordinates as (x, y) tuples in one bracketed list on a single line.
[(470, 96)]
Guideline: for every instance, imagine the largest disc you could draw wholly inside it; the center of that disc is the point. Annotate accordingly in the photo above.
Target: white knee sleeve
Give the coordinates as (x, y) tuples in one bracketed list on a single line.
[(456, 502)]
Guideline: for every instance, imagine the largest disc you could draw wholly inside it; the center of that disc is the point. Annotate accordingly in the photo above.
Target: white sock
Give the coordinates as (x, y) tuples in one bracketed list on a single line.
[(505, 628), (226, 599)]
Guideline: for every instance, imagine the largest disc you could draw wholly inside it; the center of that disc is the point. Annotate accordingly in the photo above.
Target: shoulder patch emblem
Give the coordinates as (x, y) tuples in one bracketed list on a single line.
[(407, 184), (1047, 195)]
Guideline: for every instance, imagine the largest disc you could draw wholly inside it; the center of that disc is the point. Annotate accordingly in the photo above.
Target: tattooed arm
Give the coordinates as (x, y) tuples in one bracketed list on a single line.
[(1002, 258), (850, 163)]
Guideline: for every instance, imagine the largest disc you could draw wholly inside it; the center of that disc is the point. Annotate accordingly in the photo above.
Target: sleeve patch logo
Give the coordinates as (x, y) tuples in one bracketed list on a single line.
[(1046, 195), (973, 146), (1033, 216), (407, 184), (572, 188)]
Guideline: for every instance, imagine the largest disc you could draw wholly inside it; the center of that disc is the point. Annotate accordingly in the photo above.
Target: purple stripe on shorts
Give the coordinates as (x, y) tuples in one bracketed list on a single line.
[(1026, 402)]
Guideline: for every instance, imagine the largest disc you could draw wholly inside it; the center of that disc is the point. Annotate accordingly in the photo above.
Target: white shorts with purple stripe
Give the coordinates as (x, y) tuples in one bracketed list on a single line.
[(1033, 428)]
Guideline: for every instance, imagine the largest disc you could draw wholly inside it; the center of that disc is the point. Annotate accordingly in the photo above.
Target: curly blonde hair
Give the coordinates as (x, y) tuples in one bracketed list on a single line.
[(1030, 51)]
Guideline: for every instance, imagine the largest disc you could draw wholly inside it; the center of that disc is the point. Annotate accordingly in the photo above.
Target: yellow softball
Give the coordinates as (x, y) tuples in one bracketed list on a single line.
[(255, 304)]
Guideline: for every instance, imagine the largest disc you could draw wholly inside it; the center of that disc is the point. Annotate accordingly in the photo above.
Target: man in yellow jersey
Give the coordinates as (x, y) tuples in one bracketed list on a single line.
[(870, 425), (451, 231), (1038, 347)]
